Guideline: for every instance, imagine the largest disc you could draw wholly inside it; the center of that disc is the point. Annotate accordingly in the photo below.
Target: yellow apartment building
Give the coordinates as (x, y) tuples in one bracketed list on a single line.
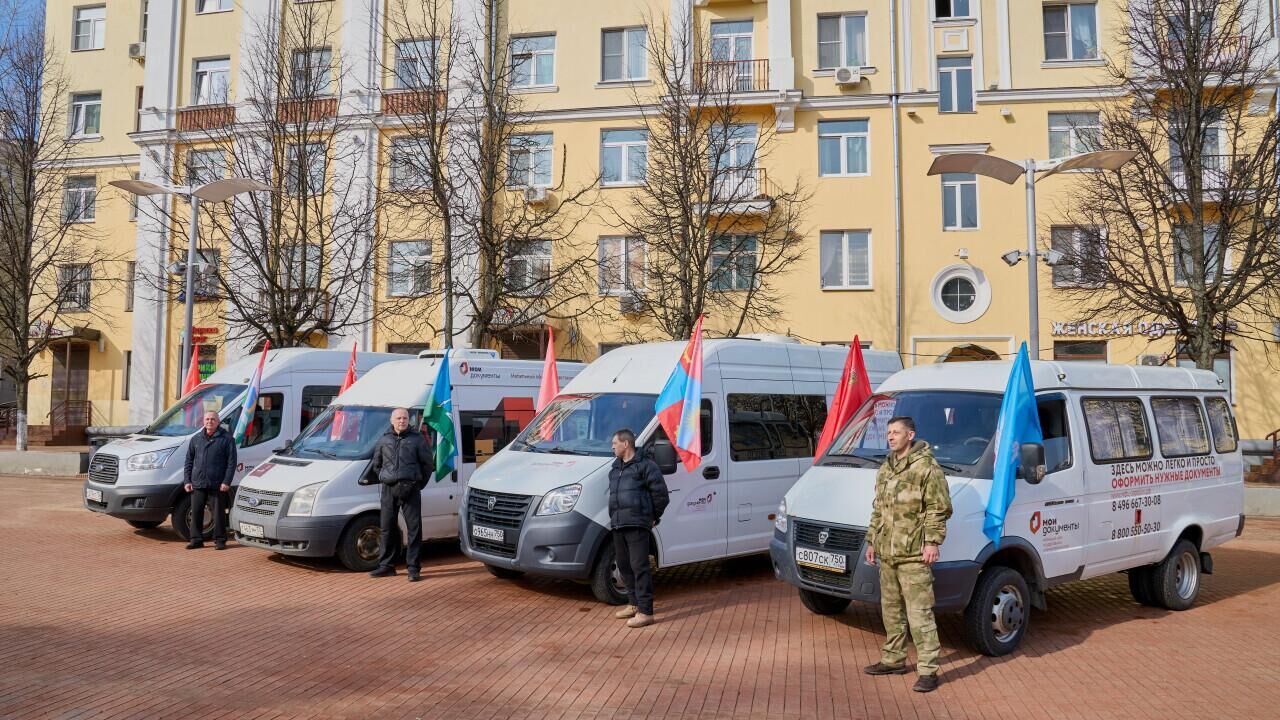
[(858, 96)]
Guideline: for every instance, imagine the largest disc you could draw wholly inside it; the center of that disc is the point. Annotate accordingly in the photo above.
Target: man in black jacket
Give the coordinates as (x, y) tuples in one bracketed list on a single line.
[(401, 465), (637, 497), (207, 475)]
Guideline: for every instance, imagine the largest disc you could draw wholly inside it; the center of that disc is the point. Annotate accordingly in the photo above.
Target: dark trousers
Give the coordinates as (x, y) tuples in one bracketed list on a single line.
[(631, 548), (411, 508), (199, 497)]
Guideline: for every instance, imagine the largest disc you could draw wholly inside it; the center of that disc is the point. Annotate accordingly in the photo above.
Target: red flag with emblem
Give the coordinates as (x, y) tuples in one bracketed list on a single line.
[(339, 429), (853, 390)]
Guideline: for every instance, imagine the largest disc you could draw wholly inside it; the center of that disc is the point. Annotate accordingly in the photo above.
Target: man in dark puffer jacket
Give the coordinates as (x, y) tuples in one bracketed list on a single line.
[(401, 465), (637, 497)]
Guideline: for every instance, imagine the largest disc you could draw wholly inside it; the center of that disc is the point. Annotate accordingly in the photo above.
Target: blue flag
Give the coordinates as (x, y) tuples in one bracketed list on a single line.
[(1019, 423)]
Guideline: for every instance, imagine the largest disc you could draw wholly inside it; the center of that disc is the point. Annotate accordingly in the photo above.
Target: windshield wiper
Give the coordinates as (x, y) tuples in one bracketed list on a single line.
[(844, 463), (561, 450), (948, 466), (525, 445)]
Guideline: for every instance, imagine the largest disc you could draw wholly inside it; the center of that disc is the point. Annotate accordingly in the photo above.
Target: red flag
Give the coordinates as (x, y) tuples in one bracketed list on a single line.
[(193, 371), (853, 390), (336, 431), (550, 386)]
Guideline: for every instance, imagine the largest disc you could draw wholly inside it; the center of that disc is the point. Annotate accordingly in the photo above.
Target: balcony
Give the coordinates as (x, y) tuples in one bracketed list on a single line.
[(411, 102), (745, 191), (732, 76), (205, 117), (1217, 173), (307, 109)]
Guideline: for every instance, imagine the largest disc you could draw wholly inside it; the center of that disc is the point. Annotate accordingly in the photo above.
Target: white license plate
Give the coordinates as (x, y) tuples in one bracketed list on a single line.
[(251, 530), (486, 533), (93, 495), (823, 560)]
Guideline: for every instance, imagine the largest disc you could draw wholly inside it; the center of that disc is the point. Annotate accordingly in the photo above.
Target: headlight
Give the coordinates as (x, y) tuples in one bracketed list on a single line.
[(780, 520), (560, 501), (153, 460), (304, 499)]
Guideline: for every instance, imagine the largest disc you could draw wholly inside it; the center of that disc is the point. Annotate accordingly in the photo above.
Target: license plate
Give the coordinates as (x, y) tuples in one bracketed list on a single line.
[(93, 495), (485, 533), (823, 560), (251, 530)]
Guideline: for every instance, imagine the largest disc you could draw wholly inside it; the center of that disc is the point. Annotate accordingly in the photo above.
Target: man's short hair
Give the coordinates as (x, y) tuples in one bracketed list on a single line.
[(207, 413), (626, 436), (396, 410), (905, 421)]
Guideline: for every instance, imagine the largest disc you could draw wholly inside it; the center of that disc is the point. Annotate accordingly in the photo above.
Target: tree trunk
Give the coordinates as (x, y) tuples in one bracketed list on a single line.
[(20, 439)]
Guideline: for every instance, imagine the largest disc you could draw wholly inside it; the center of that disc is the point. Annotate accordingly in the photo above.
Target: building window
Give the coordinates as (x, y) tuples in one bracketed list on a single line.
[(529, 268), (204, 279), (846, 259), (1074, 133), (623, 54), (959, 201), (1221, 365), (134, 200), (842, 40), (622, 265), (1086, 251), (533, 61), (623, 156), (731, 55), (410, 166), (212, 81), (407, 348), (79, 199), (1071, 32), (74, 287), (205, 166), (305, 161), (733, 262), (842, 147), (958, 294), (409, 269), (1080, 350), (1183, 263), (733, 152), (951, 9), (128, 370), (209, 6), (304, 266), (530, 161), (86, 115), (311, 72), (130, 281), (142, 27), (415, 64), (955, 85), (89, 29)]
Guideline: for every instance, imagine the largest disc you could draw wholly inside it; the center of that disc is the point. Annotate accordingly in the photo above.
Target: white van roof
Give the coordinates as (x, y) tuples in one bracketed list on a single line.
[(645, 368), (405, 383), (989, 376), (295, 360)]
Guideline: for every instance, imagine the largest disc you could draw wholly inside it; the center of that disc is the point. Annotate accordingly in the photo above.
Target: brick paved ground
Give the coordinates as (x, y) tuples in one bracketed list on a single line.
[(100, 621)]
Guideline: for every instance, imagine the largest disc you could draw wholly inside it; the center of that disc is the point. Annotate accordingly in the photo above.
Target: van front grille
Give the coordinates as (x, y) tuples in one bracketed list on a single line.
[(258, 502), (104, 468), (500, 511), (843, 540)]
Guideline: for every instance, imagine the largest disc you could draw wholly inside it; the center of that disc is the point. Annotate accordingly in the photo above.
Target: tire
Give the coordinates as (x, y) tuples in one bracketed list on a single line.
[(145, 524), (360, 544), (1175, 581), (823, 604), (504, 573), (181, 517), (606, 581), (1140, 585), (998, 613)]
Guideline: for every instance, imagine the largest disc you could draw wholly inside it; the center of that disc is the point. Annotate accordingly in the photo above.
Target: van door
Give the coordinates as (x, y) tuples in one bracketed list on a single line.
[(1184, 445), (1117, 481), (275, 419), (693, 526), (1052, 515)]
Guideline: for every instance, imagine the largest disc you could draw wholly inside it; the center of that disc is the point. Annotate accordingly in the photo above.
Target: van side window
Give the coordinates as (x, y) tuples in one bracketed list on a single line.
[(1223, 425), (1057, 432), (1180, 426), (268, 416), (1117, 429), (771, 427), (704, 424), (315, 398), (490, 429)]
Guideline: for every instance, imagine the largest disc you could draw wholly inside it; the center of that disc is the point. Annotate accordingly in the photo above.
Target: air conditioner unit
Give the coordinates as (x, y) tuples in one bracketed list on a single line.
[(848, 75), (535, 195), (138, 50), (1151, 360), (630, 304)]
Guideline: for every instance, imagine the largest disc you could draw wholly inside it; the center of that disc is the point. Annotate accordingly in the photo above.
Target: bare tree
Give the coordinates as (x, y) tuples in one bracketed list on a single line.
[(52, 258), (717, 232), (466, 167), (1186, 231)]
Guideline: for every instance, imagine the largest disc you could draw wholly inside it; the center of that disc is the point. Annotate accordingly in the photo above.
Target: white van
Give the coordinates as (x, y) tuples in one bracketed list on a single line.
[(1140, 471), (139, 478), (541, 505), (306, 501)]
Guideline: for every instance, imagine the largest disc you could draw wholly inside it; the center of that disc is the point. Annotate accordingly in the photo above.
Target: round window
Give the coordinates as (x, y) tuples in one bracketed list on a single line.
[(958, 294)]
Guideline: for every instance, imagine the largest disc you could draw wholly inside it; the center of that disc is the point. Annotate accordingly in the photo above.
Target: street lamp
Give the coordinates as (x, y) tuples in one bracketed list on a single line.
[(216, 191), (1008, 173)]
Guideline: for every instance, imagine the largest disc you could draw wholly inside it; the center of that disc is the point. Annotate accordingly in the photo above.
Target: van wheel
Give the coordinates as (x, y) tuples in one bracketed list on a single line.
[(606, 579), (144, 524), (823, 604), (181, 518), (504, 573), (998, 613), (361, 544), (1140, 585), (1175, 581)]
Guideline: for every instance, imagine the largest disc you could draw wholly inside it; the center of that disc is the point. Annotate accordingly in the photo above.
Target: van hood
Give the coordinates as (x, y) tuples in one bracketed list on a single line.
[(531, 473), (135, 444), (288, 474), (841, 495)]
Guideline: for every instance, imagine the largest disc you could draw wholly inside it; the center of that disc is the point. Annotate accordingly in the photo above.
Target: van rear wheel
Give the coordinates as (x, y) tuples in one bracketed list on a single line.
[(1175, 581), (361, 544), (998, 613), (606, 579), (181, 519), (823, 604)]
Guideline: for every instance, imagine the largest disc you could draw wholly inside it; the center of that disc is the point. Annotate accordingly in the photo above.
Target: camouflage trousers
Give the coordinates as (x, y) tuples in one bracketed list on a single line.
[(906, 600)]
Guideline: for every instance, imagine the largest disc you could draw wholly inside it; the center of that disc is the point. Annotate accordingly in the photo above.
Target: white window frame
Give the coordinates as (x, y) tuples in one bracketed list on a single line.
[(842, 48), (81, 102), (844, 237), (203, 75), (949, 76), (1079, 235), (532, 58), (134, 199), (96, 29), (522, 145), (83, 196), (933, 8), (629, 73), (204, 275), (197, 163), (408, 274), (142, 21), (407, 175), (1210, 229), (1066, 33), (309, 61), (844, 138), (75, 280), (625, 149), (407, 63), (953, 186), (533, 264), (300, 275), (209, 7), (721, 258), (293, 176), (1060, 122), (627, 246)]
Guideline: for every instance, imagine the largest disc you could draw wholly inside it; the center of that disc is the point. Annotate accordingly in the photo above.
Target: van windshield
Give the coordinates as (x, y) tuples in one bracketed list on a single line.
[(585, 424), (347, 432), (187, 414), (957, 425)]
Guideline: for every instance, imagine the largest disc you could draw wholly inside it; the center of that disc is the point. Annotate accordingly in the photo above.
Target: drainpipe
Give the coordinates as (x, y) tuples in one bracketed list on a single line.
[(897, 174)]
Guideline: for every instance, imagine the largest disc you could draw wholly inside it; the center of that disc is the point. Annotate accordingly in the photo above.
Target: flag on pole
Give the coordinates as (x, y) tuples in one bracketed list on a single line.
[(438, 415), (193, 371), (550, 386), (853, 390), (251, 397), (336, 431), (1019, 423), (679, 405)]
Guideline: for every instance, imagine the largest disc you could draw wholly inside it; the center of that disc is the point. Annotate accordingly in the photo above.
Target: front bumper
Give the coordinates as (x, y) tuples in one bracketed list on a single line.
[(560, 546), (297, 536), (143, 503)]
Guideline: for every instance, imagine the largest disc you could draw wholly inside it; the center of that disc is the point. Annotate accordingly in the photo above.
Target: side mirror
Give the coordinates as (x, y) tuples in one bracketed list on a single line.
[(664, 454), (288, 447), (1031, 463)]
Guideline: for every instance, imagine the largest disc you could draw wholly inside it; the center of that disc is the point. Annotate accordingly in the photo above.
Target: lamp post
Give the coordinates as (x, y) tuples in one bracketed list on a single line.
[(216, 191), (1008, 173)]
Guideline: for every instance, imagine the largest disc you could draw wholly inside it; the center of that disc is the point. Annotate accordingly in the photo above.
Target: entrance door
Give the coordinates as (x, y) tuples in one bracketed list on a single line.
[(69, 394)]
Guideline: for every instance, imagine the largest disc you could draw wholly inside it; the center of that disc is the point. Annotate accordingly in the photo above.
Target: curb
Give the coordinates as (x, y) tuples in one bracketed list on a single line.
[(1262, 500), (43, 463)]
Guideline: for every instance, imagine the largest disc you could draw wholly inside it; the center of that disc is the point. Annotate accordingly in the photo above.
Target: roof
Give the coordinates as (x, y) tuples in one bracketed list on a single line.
[(993, 376), (407, 382), (297, 359)]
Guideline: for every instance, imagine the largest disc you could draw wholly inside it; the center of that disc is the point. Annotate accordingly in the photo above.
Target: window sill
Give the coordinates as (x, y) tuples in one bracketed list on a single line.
[(830, 72), (1050, 64), (957, 112), (858, 288), (845, 175), (955, 22), (962, 230), (80, 50), (85, 138), (221, 12), (620, 293), (639, 82), (535, 89), (611, 185), (90, 221), (74, 311)]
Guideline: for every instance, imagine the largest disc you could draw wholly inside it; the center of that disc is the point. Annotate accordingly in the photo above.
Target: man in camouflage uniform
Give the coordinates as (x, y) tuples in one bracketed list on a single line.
[(908, 523)]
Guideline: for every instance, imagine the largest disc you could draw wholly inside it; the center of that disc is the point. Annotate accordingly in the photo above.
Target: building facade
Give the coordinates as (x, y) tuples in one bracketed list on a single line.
[(859, 96)]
